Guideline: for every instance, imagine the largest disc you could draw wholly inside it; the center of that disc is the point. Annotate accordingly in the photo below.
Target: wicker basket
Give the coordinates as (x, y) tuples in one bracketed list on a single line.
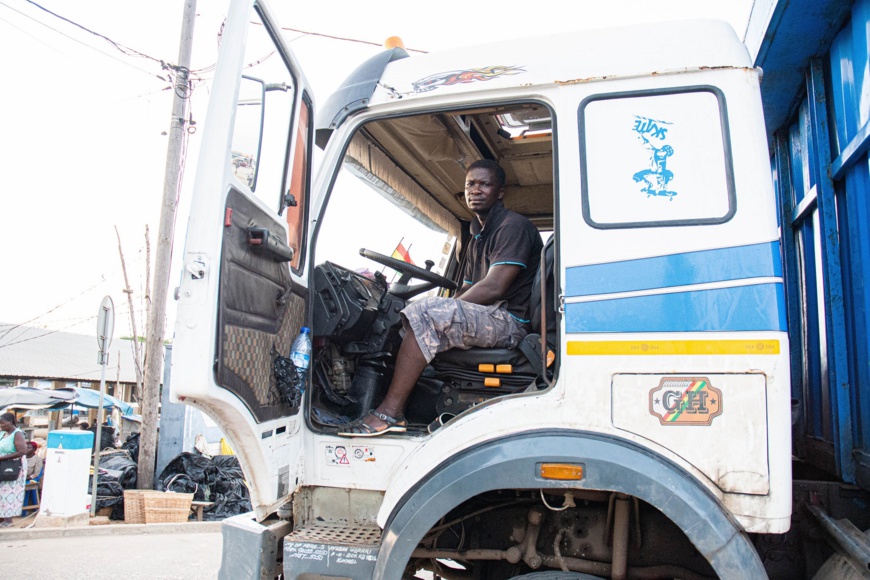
[(167, 507), (134, 509)]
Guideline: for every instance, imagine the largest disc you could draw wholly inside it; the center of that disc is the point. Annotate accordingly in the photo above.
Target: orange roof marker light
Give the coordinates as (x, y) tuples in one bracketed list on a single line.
[(393, 42)]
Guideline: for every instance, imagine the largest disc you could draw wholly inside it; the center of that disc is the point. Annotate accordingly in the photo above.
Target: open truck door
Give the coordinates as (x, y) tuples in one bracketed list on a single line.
[(243, 293)]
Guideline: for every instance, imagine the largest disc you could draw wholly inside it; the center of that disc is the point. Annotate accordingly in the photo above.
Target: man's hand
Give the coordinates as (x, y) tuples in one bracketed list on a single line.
[(493, 287)]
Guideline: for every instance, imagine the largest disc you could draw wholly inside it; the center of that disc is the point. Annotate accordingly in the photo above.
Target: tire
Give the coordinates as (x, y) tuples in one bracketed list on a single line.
[(838, 568), (556, 575)]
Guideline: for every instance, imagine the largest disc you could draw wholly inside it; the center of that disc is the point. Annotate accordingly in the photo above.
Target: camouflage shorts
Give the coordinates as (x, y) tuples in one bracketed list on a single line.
[(440, 324)]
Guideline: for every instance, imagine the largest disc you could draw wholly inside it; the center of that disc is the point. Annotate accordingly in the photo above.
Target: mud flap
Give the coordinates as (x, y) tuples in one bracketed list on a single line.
[(250, 549)]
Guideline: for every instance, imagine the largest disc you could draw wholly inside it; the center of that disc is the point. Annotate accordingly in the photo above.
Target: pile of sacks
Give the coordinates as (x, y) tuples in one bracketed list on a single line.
[(118, 472), (217, 479)]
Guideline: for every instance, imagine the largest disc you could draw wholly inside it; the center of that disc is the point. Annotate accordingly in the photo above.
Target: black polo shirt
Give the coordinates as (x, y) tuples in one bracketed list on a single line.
[(507, 238)]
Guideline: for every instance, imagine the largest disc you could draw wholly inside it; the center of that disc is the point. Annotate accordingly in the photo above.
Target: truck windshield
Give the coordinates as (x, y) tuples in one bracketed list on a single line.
[(365, 212)]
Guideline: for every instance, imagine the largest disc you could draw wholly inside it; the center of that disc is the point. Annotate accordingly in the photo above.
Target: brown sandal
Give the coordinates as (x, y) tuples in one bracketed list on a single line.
[(359, 428)]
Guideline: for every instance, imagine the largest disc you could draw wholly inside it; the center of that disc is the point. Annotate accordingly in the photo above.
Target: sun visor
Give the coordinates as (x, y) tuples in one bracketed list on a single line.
[(353, 94), (381, 173)]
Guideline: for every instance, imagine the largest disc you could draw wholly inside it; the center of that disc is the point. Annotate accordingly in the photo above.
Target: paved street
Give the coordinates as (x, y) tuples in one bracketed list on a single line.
[(119, 556)]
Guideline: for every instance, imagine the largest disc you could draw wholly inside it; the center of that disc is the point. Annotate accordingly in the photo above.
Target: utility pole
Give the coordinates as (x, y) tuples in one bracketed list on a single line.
[(166, 233), (147, 272), (129, 292)]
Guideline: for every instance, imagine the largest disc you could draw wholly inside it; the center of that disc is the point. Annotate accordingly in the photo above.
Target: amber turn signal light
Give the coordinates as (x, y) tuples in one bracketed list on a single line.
[(561, 471)]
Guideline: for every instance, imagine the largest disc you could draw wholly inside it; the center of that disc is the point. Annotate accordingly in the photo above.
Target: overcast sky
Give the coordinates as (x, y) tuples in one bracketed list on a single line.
[(82, 143)]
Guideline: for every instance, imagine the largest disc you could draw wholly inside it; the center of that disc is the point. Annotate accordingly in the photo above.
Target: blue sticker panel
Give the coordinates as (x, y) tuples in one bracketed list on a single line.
[(71, 439), (724, 264), (758, 307)]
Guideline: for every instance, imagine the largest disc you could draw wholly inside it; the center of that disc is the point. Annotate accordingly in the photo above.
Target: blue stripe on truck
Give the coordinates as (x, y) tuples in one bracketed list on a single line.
[(722, 264), (756, 307)]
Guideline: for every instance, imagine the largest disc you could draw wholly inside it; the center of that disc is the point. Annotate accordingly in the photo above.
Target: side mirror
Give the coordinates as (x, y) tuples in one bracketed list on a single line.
[(248, 131)]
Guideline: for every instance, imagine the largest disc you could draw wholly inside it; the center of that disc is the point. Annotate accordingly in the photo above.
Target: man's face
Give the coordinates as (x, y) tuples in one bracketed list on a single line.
[(482, 190)]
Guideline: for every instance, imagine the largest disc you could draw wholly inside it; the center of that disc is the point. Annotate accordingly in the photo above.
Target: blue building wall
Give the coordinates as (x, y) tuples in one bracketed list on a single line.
[(819, 128)]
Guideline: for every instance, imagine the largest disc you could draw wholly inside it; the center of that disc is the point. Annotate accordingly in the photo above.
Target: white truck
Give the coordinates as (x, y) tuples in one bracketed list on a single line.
[(641, 431)]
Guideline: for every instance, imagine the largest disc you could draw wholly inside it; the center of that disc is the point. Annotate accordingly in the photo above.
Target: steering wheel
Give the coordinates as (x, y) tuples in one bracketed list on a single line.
[(410, 271)]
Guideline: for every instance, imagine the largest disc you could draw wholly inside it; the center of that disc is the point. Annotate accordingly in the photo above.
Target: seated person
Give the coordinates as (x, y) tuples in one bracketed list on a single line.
[(34, 461), (490, 310)]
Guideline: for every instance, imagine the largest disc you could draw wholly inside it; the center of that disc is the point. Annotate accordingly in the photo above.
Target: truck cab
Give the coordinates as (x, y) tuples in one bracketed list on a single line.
[(643, 425)]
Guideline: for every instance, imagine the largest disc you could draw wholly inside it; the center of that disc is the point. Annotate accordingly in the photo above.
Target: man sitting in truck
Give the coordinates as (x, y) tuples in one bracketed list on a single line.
[(491, 309)]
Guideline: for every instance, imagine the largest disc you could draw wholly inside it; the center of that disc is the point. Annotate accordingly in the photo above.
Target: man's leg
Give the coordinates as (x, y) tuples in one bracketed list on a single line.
[(433, 325), (410, 364)]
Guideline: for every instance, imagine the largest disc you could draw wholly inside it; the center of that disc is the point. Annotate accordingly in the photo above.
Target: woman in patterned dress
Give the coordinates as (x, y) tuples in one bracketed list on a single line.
[(12, 446)]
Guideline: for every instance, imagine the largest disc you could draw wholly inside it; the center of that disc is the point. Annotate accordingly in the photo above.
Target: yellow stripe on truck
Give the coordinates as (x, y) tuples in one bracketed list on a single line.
[(671, 347)]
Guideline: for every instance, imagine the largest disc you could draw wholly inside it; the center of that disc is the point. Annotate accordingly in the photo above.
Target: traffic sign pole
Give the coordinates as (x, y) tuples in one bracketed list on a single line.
[(105, 329)]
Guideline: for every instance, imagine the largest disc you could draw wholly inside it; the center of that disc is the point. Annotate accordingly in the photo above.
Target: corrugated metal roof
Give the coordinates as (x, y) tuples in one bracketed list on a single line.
[(40, 353)]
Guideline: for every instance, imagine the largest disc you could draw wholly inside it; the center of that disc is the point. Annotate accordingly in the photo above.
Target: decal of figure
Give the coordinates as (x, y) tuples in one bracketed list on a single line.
[(654, 180), (456, 77)]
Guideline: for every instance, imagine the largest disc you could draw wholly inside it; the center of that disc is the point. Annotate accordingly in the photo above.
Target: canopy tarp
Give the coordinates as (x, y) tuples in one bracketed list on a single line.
[(34, 398), (91, 399)]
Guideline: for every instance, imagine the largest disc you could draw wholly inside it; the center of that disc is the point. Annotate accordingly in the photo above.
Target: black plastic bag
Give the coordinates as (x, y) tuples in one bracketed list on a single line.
[(228, 467), (132, 445), (289, 381), (199, 474), (109, 494), (181, 483), (231, 499), (126, 468), (219, 480), (200, 469)]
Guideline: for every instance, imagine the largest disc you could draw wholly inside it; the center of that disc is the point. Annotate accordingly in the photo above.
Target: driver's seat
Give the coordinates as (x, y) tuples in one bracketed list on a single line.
[(474, 375)]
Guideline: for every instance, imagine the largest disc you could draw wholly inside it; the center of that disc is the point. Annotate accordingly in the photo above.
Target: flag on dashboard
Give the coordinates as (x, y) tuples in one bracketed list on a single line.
[(401, 253)]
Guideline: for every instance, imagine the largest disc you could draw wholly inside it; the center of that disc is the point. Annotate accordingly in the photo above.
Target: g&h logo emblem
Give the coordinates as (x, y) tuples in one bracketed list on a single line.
[(685, 401)]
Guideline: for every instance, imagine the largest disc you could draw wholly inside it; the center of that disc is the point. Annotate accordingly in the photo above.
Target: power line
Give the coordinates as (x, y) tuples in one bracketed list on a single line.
[(124, 49), (44, 334), (342, 38), (86, 45), (21, 30), (46, 313)]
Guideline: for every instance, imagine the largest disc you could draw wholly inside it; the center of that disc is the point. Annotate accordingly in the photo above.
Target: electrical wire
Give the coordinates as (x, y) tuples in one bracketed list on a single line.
[(47, 312), (22, 31), (124, 49), (342, 38), (86, 45), (41, 335)]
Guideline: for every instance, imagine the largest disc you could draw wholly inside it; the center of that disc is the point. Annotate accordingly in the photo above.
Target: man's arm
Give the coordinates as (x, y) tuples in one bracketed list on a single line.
[(493, 287)]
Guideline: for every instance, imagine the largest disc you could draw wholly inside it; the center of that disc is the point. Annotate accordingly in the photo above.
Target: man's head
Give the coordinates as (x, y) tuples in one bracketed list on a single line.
[(484, 186)]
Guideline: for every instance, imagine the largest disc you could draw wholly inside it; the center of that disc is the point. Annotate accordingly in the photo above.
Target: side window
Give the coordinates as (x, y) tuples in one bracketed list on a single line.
[(298, 185), (262, 125), (657, 158)]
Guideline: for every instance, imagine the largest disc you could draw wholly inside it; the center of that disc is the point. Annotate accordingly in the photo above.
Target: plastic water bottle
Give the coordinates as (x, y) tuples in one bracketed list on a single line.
[(300, 352)]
